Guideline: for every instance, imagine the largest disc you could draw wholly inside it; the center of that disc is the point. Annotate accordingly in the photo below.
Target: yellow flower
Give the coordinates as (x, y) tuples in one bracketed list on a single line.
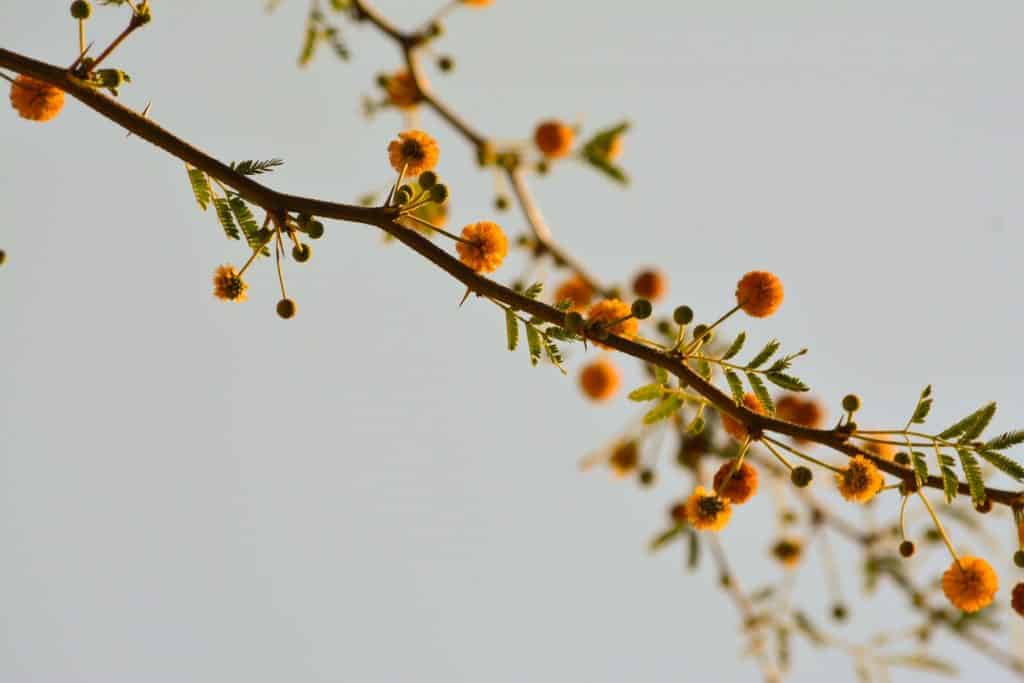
[(804, 412), (742, 485), (228, 285), (477, 3), (36, 100), (599, 380), (415, 151), (486, 249), (759, 293), (707, 512), (576, 290), (788, 551), (650, 284), (860, 481), (554, 139), (624, 459), (734, 427), (885, 451), (402, 90), (609, 311), (970, 584)]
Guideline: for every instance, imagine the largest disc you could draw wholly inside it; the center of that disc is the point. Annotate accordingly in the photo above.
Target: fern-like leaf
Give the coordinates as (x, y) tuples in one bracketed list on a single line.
[(511, 329), (972, 471), (226, 219), (200, 186)]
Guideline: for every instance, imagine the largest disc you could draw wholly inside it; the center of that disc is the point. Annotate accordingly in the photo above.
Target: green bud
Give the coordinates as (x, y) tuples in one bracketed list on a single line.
[(382, 80), (80, 9), (303, 219), (664, 327), (112, 78), (427, 179), (543, 167), (439, 193), (1018, 558), (301, 252), (404, 195), (264, 235), (436, 29), (3, 257), (646, 477), (573, 322), (315, 230), (683, 315), (641, 309), (851, 403), (286, 308), (839, 612), (501, 202), (801, 476), (901, 458), (907, 548), (445, 63)]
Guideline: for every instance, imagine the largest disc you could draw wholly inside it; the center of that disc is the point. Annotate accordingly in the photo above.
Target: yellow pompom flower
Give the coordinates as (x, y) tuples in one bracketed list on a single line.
[(415, 151), (650, 284), (885, 451), (554, 139), (401, 89), (36, 100), (706, 511), (860, 481), (734, 427), (600, 380), (742, 484), (610, 314), (970, 584), (759, 293), (228, 285), (574, 289), (477, 3), (485, 246)]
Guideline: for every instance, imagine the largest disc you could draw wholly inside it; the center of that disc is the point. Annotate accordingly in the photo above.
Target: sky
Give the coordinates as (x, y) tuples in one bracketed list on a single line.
[(377, 490)]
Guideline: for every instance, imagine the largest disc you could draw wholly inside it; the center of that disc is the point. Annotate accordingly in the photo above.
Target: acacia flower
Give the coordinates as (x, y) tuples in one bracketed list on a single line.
[(36, 100), (788, 551), (401, 89), (885, 451), (706, 511), (742, 485), (970, 583), (734, 427), (1017, 601), (804, 412), (860, 481), (576, 290), (554, 139), (228, 285), (599, 380), (477, 3), (759, 293), (614, 316), (485, 246), (650, 284), (624, 459), (415, 151)]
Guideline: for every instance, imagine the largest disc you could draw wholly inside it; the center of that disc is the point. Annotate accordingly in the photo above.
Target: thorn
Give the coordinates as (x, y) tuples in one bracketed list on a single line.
[(144, 113), (465, 296)]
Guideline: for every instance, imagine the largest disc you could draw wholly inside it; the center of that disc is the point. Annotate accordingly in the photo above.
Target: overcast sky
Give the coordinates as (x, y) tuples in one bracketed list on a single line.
[(377, 490)]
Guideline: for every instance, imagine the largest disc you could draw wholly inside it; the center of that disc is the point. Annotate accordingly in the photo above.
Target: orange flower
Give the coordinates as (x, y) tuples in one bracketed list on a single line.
[(742, 485), (1017, 602), (402, 90), (554, 139), (650, 284), (477, 3), (759, 293), (612, 315), (800, 411), (707, 512), (970, 584), (885, 451), (486, 249), (734, 427), (228, 285), (614, 148), (788, 551), (599, 380), (415, 151), (860, 481), (36, 100), (624, 459), (577, 290)]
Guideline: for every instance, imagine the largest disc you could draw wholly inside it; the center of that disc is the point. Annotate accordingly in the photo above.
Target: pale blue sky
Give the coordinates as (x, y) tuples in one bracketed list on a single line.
[(377, 490)]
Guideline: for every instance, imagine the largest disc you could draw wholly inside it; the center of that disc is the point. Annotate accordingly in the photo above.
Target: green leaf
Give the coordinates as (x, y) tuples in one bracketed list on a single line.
[(696, 426), (224, 216), (255, 166), (967, 423), (605, 166), (511, 329), (648, 392), (702, 367), (200, 186), (554, 354), (596, 152), (972, 471), (666, 408), (920, 467), (309, 43), (761, 391), (564, 305), (980, 423), (662, 539), (533, 341), (661, 374), (924, 406), (735, 386), (764, 354), (534, 290), (736, 347), (949, 479), (246, 221), (786, 381), (783, 363), (1004, 440), (1003, 464)]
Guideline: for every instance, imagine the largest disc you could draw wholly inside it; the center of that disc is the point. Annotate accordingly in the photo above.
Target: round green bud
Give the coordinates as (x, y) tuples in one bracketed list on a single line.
[(403, 195), (1018, 558), (286, 308), (801, 476), (641, 309), (543, 167), (699, 331), (427, 179), (725, 580), (445, 63), (683, 315), (3, 257), (646, 477), (518, 286), (315, 230), (839, 612), (439, 193), (501, 202), (907, 548), (851, 403), (573, 322), (435, 29), (303, 219), (901, 458), (664, 327), (382, 80), (302, 252), (80, 9)]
